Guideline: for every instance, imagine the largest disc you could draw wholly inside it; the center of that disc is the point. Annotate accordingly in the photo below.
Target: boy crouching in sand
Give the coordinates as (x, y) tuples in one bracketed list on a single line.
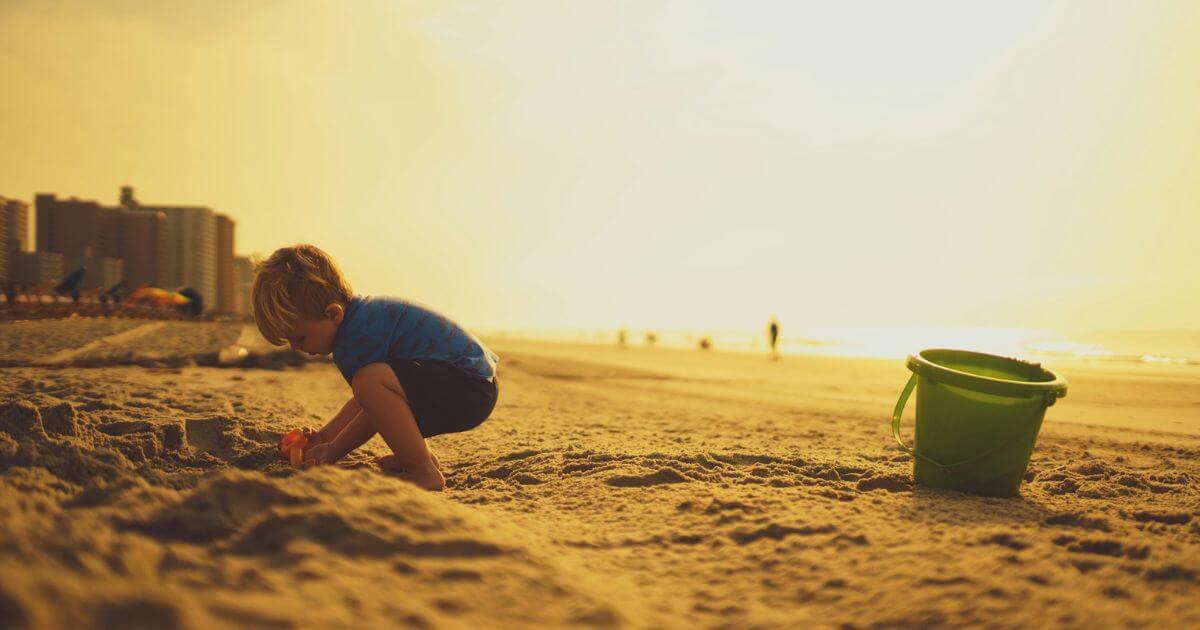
[(414, 373)]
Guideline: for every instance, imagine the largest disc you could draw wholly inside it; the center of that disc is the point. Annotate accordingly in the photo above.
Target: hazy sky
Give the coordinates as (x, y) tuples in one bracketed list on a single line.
[(660, 164)]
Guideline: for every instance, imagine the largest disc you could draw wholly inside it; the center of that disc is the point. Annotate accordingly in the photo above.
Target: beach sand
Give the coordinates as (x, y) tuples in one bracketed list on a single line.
[(638, 487)]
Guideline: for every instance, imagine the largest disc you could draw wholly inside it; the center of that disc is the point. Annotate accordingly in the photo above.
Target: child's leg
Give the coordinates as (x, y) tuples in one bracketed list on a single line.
[(378, 391)]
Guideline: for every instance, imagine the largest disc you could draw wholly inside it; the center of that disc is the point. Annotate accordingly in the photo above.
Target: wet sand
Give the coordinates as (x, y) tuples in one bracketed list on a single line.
[(611, 487)]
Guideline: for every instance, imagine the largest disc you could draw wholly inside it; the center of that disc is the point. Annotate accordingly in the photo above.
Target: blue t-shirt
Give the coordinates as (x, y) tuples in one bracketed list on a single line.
[(380, 329)]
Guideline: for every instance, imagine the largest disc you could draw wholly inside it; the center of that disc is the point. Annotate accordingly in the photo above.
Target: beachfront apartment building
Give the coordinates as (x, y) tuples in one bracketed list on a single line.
[(226, 283), (16, 220), (5, 255), (14, 235), (191, 255), (243, 272), (36, 267), (83, 234), (4, 248), (142, 243), (194, 249), (165, 246), (75, 227)]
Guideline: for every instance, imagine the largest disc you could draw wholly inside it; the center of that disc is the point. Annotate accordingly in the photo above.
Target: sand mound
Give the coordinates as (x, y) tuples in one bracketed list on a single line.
[(95, 532), (325, 536)]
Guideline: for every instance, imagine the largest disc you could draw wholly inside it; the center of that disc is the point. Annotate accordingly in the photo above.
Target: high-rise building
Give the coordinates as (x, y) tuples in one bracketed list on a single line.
[(243, 271), (5, 254), (167, 246), (226, 284), (142, 243), (14, 233), (85, 234), (75, 227), (190, 256), (16, 218), (37, 267)]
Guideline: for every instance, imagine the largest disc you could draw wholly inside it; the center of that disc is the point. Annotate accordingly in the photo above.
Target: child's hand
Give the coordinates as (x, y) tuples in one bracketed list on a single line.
[(319, 455), (312, 437), (308, 437)]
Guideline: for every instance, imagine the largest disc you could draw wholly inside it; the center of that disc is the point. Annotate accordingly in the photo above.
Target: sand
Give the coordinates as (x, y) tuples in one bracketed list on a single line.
[(635, 488)]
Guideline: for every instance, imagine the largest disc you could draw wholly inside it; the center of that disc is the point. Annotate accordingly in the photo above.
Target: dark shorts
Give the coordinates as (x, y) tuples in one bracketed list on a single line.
[(443, 398)]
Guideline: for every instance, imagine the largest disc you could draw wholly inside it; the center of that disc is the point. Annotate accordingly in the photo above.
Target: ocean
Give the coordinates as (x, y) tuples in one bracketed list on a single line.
[(1109, 346)]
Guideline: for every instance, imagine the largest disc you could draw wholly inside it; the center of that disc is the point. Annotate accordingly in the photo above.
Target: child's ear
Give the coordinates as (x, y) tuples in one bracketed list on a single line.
[(335, 312)]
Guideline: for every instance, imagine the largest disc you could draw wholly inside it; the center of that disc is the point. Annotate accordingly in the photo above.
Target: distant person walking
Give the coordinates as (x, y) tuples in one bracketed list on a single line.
[(773, 337)]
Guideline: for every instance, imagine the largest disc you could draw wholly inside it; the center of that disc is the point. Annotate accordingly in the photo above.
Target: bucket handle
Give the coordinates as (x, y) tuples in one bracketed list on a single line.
[(900, 404), (912, 382)]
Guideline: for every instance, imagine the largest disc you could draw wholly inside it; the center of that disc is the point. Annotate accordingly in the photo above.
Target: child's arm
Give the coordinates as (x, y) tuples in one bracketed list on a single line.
[(339, 422), (353, 435), (356, 433)]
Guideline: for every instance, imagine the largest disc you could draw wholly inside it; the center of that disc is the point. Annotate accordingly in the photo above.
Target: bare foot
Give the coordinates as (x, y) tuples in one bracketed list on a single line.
[(390, 462), (429, 478), (434, 482)]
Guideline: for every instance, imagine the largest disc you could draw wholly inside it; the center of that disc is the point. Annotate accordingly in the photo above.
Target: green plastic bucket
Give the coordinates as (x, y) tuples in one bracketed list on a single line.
[(978, 416)]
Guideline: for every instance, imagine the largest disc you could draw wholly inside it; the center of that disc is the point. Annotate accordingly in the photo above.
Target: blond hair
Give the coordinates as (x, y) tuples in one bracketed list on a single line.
[(293, 282)]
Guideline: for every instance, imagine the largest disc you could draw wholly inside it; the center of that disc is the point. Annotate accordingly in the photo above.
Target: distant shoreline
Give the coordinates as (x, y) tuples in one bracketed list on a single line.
[(1041, 345)]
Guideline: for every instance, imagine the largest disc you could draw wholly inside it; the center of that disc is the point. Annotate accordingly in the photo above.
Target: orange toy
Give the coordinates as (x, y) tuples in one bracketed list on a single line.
[(292, 446)]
